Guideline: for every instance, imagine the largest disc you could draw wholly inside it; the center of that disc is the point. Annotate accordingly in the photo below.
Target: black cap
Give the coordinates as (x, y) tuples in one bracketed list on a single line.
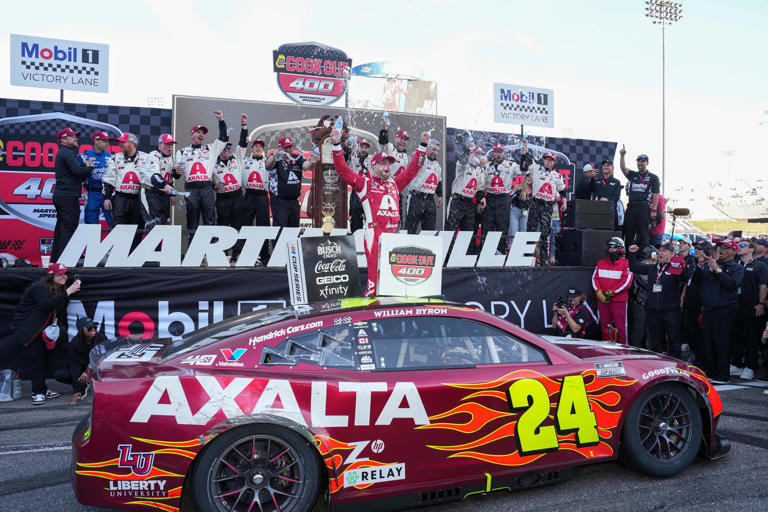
[(574, 292), (642, 157), (84, 322), (603, 162), (704, 245), (668, 246), (761, 241), (649, 252)]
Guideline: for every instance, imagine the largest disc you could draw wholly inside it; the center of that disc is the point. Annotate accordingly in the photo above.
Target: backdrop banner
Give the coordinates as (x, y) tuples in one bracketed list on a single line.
[(28, 150), (154, 302), (572, 154)]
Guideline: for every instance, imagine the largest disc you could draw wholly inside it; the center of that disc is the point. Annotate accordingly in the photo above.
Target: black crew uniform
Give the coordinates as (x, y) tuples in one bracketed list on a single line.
[(584, 188), (747, 327), (66, 197), (580, 315), (665, 286), (692, 309), (719, 300), (78, 352), (640, 188), (638, 303), (285, 189)]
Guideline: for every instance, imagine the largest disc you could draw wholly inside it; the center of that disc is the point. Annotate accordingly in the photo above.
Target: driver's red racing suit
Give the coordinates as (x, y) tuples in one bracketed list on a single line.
[(380, 203)]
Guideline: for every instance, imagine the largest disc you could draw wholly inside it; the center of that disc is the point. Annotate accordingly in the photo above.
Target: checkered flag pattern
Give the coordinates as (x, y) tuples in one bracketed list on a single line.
[(53, 66), (583, 151), (146, 123), (531, 109)]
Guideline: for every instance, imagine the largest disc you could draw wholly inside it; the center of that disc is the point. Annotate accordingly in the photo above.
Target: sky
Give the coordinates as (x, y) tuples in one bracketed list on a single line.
[(602, 58)]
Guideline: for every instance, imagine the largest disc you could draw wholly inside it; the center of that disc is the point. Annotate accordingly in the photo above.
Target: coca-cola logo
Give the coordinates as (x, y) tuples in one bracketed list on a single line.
[(337, 265)]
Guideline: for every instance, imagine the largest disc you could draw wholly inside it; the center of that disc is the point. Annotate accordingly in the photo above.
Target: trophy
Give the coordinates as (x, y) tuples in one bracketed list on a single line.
[(329, 192)]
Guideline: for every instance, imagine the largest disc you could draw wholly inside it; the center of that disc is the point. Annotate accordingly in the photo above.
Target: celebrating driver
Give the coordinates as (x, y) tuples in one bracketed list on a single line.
[(379, 195)]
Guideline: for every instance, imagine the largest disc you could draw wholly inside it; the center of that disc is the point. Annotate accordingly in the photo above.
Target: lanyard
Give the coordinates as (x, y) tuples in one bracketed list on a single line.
[(661, 271)]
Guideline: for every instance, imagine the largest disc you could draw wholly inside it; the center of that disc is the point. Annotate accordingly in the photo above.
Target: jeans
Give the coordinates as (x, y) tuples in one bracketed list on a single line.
[(517, 222)]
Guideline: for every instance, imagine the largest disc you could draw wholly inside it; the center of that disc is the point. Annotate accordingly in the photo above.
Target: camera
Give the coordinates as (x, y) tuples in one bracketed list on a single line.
[(562, 302)]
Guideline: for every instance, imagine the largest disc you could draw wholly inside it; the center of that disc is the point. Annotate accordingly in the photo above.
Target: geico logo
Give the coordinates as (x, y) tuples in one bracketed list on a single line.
[(411, 271), (341, 278)]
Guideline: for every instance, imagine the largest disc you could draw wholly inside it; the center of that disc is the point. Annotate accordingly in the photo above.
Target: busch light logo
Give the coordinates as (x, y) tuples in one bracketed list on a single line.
[(140, 463), (328, 249)]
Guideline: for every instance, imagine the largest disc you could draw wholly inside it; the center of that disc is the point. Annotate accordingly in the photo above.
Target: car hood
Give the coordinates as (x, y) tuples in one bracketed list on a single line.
[(591, 349)]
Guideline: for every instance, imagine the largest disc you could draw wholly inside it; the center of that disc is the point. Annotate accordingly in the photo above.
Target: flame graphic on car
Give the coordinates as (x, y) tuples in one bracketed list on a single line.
[(95, 469), (328, 446), (603, 402)]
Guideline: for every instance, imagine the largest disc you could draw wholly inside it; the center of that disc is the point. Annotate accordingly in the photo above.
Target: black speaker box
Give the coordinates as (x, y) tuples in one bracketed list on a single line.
[(587, 214), (582, 247)]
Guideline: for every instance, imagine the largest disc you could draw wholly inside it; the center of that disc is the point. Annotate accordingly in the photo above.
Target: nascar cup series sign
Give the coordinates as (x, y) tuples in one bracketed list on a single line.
[(520, 104), (59, 64), (311, 73)]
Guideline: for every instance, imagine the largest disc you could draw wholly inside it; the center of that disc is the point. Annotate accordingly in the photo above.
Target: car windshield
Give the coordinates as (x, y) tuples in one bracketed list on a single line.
[(226, 328)]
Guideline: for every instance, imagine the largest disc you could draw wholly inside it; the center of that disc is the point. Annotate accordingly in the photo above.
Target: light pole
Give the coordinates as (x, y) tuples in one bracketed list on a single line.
[(663, 13)]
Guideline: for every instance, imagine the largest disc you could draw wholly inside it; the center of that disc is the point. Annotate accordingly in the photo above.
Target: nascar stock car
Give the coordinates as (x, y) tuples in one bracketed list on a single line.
[(384, 403)]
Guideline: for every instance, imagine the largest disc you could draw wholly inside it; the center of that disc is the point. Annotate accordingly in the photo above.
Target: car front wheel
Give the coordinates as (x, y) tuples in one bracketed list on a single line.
[(662, 432), (260, 468)]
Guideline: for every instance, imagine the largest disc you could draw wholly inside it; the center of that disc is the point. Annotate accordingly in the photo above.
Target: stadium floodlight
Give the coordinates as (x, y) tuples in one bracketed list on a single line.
[(663, 13)]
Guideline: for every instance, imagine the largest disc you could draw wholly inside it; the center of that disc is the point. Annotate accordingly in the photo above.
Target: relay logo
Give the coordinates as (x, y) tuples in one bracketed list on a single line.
[(59, 54)]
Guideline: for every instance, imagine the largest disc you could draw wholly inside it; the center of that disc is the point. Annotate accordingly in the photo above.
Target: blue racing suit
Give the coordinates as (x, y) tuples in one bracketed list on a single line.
[(94, 186)]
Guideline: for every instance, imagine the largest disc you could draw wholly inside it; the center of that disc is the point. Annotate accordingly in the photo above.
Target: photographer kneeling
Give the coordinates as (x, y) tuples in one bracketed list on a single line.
[(78, 352), (571, 315)]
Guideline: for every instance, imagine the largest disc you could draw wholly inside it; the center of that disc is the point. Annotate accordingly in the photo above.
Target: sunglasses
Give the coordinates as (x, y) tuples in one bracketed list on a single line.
[(613, 246), (743, 245)]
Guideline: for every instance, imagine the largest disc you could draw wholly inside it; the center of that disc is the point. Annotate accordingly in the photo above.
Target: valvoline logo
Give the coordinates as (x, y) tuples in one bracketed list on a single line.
[(232, 355)]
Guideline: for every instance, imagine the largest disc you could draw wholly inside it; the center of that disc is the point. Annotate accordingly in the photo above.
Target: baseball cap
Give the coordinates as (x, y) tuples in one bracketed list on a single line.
[(127, 137), (197, 127), (649, 252), (642, 157), (588, 168), (403, 134), (56, 269), (433, 143), (100, 136), (704, 245), (731, 244), (574, 292), (477, 149), (285, 142), (761, 241), (379, 157), (364, 141), (257, 141), (84, 322), (498, 147), (606, 161), (166, 138), (66, 132), (668, 246), (686, 240), (550, 155)]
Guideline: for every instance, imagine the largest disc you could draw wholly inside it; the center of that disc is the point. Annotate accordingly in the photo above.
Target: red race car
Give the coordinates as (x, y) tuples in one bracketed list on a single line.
[(392, 402)]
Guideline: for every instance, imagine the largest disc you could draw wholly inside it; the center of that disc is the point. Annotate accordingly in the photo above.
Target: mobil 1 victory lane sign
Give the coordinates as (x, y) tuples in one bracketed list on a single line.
[(311, 73), (59, 64), (520, 104)]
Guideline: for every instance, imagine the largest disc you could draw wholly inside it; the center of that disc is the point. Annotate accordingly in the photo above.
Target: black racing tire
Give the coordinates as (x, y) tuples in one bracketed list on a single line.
[(262, 467), (662, 431)]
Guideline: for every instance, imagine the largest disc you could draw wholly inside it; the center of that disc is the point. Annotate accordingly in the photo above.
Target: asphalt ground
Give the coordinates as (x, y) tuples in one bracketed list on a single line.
[(35, 459)]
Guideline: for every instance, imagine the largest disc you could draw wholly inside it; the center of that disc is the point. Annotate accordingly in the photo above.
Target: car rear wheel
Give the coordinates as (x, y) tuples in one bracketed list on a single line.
[(257, 468), (662, 432)]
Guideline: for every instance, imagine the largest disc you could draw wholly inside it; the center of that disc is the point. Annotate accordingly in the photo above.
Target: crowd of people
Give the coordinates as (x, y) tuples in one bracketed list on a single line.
[(702, 302), (705, 302)]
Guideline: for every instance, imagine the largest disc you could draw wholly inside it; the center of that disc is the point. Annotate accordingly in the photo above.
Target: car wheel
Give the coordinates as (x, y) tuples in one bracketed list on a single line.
[(257, 468), (662, 432)]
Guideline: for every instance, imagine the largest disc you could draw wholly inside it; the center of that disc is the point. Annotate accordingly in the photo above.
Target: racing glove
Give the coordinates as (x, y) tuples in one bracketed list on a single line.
[(601, 297)]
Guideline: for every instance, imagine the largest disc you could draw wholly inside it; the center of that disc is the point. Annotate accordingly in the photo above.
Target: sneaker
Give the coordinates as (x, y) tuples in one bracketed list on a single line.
[(735, 370), (52, 394), (38, 399), (747, 374)]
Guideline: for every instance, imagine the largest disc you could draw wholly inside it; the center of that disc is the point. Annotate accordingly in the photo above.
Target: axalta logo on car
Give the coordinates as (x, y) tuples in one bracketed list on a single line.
[(223, 399)]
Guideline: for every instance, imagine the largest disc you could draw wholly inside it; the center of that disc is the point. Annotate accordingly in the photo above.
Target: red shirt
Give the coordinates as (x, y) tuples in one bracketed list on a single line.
[(614, 277)]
